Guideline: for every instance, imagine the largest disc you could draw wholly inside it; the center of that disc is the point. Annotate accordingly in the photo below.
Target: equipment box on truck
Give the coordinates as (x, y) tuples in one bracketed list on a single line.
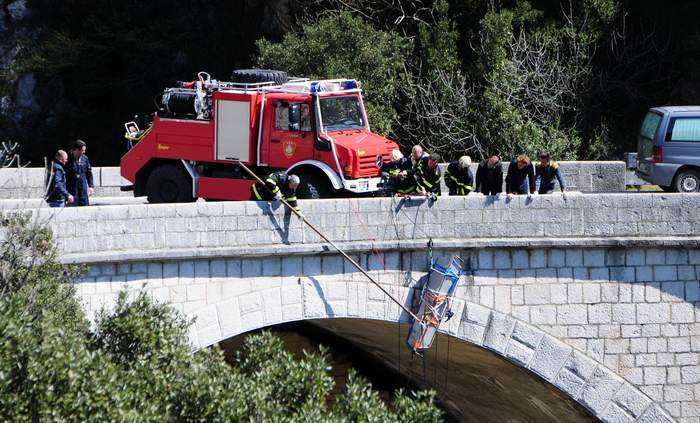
[(205, 128), (668, 149)]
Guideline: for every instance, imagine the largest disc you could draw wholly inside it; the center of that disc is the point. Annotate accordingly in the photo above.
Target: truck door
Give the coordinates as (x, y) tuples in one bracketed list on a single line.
[(290, 138)]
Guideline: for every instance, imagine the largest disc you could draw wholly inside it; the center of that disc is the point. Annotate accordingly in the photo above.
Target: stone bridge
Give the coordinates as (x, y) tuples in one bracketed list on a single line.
[(597, 295)]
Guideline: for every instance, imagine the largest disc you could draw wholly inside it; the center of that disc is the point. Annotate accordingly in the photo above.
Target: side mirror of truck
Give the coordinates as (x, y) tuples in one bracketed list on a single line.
[(295, 117)]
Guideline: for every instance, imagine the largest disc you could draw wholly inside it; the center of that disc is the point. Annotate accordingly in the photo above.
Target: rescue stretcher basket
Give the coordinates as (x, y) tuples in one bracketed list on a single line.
[(434, 305)]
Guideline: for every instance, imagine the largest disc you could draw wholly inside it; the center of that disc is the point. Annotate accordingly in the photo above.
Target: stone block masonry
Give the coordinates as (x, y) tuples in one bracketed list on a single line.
[(584, 176), (599, 294), (597, 326), (129, 232), (29, 182)]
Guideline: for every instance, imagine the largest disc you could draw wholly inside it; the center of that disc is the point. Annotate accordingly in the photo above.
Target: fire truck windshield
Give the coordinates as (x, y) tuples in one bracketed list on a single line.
[(339, 113)]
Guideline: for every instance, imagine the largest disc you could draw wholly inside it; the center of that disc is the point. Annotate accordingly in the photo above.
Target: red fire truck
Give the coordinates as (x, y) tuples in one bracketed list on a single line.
[(265, 120)]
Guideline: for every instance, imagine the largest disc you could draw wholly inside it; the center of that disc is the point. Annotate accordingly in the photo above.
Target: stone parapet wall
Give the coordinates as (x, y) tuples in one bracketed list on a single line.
[(29, 182), (242, 225), (26, 183), (583, 176)]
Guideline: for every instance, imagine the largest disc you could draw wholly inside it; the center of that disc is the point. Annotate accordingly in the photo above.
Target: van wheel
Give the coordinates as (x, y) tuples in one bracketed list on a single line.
[(687, 181), (168, 184)]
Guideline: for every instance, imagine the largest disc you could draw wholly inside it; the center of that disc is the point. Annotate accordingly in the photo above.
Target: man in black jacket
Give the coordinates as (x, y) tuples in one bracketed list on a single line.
[(458, 177), (521, 177), (489, 176), (427, 174), (278, 185), (57, 195), (79, 174), (394, 174)]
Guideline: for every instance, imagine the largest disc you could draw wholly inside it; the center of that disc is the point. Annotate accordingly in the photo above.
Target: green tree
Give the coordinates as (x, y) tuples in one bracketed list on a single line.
[(344, 46), (136, 364)]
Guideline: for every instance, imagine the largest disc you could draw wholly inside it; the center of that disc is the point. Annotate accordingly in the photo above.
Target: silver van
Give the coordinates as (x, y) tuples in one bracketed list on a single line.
[(668, 148)]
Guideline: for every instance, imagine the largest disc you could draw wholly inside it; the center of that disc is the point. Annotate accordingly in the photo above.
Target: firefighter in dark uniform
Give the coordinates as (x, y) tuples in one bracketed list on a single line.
[(395, 173), (458, 177), (521, 177), (545, 174), (278, 185), (57, 194), (427, 175), (79, 174), (489, 176)]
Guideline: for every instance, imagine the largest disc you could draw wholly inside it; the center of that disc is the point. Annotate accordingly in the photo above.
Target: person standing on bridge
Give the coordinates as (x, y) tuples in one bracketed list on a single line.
[(458, 177), (79, 174), (521, 177), (277, 185), (57, 195), (417, 154), (394, 174), (427, 175), (545, 174), (489, 176)]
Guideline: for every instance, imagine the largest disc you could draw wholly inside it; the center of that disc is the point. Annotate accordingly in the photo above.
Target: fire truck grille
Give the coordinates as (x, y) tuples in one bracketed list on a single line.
[(367, 164)]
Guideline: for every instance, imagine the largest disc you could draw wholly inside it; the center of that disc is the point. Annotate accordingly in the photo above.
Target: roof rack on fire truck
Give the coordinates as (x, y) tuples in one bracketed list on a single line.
[(295, 86)]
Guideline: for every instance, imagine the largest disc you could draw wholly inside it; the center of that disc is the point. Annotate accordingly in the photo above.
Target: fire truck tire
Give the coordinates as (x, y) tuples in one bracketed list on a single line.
[(312, 188), (259, 75), (168, 184)]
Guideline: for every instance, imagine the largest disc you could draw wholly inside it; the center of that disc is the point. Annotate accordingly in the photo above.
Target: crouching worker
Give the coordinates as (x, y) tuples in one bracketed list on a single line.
[(394, 173), (427, 174), (458, 177), (278, 185), (545, 174)]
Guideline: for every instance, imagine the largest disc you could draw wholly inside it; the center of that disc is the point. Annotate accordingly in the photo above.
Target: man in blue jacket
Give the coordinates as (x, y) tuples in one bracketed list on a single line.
[(79, 174), (545, 174), (57, 195)]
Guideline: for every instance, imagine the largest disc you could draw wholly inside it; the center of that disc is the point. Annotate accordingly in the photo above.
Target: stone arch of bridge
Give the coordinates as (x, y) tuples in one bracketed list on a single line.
[(589, 383)]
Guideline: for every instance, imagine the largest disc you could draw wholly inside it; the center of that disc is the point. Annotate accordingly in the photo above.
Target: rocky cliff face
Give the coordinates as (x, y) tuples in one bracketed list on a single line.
[(17, 92), (82, 68)]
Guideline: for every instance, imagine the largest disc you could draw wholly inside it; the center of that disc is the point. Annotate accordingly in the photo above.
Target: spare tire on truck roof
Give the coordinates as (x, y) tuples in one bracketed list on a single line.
[(259, 75)]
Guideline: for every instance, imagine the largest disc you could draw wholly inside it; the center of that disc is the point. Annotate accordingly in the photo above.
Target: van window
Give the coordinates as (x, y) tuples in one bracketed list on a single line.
[(684, 130), (650, 125)]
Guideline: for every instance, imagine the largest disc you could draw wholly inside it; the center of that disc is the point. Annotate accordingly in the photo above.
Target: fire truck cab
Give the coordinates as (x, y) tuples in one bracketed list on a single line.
[(204, 128)]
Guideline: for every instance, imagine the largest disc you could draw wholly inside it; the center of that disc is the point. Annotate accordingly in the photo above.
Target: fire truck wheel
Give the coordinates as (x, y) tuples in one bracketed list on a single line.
[(259, 75), (312, 188), (168, 184)]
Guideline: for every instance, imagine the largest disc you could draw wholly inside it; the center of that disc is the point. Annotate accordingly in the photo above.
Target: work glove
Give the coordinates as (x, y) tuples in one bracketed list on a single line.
[(300, 215), (278, 196), (533, 194)]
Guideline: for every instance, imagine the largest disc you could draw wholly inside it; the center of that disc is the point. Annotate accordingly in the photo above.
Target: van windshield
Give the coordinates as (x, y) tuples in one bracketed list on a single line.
[(650, 125), (340, 113)]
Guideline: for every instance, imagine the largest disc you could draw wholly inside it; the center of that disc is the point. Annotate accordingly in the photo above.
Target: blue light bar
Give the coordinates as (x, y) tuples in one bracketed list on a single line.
[(349, 85), (315, 87)]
